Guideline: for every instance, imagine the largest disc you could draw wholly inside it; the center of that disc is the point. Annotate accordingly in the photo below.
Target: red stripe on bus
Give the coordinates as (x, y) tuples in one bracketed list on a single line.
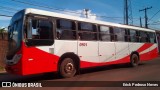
[(153, 54), (149, 55), (144, 47), (85, 64)]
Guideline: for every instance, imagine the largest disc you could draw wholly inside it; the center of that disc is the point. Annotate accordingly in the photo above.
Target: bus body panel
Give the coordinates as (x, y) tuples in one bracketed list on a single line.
[(149, 53), (107, 51), (36, 60), (64, 46), (135, 47), (85, 52), (122, 50)]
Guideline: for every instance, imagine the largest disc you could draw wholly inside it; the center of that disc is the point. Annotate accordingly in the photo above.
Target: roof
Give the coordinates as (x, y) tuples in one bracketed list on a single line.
[(60, 15)]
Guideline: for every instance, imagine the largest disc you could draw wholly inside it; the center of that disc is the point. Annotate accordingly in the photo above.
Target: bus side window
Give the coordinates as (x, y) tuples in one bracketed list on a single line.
[(133, 36), (65, 29), (104, 33), (87, 31), (143, 37), (152, 37), (119, 34), (127, 36)]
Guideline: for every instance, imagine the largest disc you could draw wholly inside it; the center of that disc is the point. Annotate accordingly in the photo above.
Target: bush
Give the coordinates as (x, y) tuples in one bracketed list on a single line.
[(1, 68)]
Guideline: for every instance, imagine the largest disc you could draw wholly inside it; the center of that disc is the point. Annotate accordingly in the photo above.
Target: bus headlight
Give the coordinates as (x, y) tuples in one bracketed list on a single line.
[(15, 59)]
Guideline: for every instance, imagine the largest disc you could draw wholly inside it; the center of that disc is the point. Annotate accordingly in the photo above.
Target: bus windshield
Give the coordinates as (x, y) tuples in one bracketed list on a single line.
[(14, 34)]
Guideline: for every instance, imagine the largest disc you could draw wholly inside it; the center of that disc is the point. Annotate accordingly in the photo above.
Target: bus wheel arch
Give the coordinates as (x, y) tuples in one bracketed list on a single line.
[(70, 59), (134, 59)]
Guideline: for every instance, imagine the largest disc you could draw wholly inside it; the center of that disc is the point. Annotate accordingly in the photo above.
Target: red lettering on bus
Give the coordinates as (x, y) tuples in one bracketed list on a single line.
[(82, 44)]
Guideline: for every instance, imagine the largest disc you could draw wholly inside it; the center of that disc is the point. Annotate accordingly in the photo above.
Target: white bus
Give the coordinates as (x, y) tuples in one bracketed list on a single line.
[(42, 41)]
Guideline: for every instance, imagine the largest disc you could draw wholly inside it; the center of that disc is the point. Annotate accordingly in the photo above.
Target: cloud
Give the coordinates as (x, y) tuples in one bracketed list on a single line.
[(79, 13), (73, 13)]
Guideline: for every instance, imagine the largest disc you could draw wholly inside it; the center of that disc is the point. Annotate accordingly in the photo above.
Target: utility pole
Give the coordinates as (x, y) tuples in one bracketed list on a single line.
[(86, 12), (126, 12), (128, 19), (146, 18), (140, 22)]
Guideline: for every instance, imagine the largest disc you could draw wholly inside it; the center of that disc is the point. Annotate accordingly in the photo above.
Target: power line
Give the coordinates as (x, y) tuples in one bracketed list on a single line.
[(47, 7), (5, 15), (12, 5), (156, 22), (6, 11), (146, 18), (154, 15), (57, 9), (8, 8)]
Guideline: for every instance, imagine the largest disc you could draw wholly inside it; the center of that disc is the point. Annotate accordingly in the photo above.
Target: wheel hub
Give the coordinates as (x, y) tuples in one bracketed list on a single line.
[(69, 67)]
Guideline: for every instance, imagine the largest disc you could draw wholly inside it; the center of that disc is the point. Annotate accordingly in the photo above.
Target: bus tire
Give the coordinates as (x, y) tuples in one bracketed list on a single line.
[(67, 68), (134, 61)]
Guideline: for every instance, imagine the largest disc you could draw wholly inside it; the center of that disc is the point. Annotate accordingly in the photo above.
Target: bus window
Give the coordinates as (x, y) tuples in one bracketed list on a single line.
[(87, 36), (87, 31), (39, 32), (86, 27), (133, 35), (143, 37), (66, 29), (152, 37), (41, 29), (104, 33), (127, 36), (119, 34)]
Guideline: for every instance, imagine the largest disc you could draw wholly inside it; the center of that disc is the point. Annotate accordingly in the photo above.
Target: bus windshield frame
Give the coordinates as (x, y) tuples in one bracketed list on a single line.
[(15, 34)]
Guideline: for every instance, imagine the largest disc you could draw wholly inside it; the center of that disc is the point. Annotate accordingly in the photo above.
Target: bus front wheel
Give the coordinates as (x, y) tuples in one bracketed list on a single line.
[(134, 60), (67, 68)]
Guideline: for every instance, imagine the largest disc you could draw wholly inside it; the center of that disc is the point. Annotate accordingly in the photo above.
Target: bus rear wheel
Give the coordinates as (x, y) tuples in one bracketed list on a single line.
[(134, 60), (67, 68)]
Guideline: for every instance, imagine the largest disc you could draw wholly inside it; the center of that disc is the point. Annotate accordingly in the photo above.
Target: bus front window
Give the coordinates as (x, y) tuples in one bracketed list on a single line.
[(15, 35), (14, 38)]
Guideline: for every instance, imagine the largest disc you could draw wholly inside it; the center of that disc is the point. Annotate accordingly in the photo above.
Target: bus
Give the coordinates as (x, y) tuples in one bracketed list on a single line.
[(42, 41)]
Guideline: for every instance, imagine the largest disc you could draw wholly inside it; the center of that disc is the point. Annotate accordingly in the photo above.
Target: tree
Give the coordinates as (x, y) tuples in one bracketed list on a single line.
[(2, 30)]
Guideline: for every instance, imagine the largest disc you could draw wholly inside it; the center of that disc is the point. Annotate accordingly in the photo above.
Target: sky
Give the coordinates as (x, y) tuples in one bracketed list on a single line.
[(111, 10)]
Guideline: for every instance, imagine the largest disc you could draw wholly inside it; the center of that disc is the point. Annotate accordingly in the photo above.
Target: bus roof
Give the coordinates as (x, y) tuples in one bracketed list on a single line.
[(60, 15)]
